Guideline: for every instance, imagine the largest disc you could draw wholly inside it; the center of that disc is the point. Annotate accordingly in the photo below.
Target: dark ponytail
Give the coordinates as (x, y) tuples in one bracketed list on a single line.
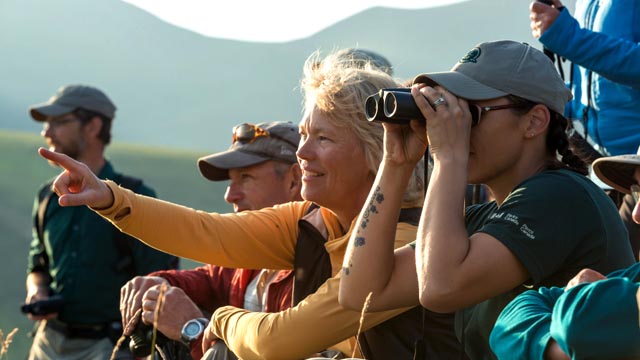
[(557, 140)]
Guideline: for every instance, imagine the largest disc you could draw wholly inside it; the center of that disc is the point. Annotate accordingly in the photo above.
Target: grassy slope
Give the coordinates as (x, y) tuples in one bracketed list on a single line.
[(173, 174)]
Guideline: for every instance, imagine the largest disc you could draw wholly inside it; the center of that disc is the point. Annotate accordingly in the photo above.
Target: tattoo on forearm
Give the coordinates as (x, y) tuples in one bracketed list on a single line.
[(377, 197), (345, 269), (359, 241)]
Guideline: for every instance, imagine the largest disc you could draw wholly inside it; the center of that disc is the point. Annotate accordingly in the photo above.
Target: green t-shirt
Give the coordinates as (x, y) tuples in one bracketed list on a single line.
[(556, 223)]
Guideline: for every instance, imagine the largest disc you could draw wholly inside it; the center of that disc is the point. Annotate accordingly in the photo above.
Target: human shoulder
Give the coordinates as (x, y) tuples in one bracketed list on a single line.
[(560, 196), (295, 206), (555, 185), (632, 272), (131, 182), (292, 211), (45, 189)]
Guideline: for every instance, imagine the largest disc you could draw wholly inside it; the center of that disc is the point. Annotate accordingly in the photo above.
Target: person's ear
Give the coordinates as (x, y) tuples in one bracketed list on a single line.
[(93, 127), (295, 182), (537, 121)]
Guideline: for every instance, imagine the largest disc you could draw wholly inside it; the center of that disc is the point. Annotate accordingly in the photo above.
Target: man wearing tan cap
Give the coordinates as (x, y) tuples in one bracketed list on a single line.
[(619, 169), (594, 316), (263, 171), (75, 257)]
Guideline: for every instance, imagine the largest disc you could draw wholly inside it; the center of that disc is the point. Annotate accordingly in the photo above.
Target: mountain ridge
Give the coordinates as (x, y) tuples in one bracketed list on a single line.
[(180, 89)]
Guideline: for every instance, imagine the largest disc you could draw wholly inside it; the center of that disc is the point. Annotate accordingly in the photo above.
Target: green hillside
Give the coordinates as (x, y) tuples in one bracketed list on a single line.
[(176, 88), (173, 174)]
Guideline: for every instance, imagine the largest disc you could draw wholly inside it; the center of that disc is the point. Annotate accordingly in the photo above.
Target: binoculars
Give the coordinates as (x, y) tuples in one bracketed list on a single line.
[(396, 105), (393, 105), (141, 338), (54, 304)]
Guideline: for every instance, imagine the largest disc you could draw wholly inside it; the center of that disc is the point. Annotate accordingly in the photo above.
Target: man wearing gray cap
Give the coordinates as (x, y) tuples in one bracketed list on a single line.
[(83, 277), (263, 171)]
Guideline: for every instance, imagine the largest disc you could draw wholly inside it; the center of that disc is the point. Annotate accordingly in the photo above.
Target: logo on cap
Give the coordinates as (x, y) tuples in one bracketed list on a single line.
[(472, 56)]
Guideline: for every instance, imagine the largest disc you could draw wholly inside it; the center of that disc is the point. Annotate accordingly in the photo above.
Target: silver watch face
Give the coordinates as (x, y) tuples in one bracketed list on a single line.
[(192, 328)]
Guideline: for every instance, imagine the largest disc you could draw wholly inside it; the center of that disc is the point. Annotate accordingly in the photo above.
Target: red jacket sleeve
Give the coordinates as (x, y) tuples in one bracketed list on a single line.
[(208, 286)]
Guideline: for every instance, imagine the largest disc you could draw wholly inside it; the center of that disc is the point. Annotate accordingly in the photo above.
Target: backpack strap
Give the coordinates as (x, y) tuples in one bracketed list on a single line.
[(312, 264), (44, 196)]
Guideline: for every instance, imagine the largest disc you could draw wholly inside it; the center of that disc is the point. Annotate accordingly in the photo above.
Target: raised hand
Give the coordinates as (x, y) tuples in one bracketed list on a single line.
[(448, 121), (77, 185), (543, 16)]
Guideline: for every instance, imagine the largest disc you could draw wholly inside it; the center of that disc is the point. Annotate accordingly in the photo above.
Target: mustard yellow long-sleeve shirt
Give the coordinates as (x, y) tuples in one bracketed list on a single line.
[(255, 239)]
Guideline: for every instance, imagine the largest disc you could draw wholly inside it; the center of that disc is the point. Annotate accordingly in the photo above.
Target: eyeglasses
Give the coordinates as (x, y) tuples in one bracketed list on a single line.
[(635, 192), (484, 109), (56, 123), (247, 133)]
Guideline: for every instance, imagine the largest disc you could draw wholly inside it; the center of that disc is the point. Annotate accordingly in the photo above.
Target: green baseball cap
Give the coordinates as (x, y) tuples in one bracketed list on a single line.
[(71, 97), (499, 68)]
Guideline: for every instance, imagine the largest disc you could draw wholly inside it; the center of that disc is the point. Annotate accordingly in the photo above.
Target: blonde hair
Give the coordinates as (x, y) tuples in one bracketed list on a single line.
[(338, 87), (339, 90)]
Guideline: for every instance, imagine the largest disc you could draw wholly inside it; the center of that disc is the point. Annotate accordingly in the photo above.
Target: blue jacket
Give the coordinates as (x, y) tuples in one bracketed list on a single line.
[(596, 320), (603, 46)]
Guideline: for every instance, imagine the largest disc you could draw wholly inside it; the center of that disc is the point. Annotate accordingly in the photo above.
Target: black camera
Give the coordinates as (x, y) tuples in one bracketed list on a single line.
[(396, 105), (141, 337), (53, 304)]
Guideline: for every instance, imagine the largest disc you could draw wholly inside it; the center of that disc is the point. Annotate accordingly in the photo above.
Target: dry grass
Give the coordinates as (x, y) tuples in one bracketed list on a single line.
[(6, 342), (365, 307), (156, 313)]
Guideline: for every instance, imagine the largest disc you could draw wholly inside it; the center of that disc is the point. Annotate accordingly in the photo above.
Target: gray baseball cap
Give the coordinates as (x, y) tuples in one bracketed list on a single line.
[(499, 68), (364, 55), (253, 144), (70, 97)]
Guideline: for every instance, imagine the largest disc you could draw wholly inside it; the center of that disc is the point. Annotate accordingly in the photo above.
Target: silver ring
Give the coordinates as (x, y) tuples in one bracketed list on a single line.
[(439, 101)]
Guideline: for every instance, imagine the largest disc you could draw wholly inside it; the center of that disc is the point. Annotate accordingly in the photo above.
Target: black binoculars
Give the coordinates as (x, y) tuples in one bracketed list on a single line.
[(141, 337), (54, 304), (396, 105)]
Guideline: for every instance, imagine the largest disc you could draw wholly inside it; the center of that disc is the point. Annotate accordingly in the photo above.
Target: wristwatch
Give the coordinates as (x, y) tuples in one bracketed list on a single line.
[(192, 330)]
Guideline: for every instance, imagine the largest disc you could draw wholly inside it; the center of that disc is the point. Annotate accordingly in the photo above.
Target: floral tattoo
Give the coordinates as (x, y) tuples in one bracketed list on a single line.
[(376, 199)]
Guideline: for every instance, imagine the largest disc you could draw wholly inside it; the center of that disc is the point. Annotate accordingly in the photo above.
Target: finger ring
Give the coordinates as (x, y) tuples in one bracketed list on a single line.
[(439, 101)]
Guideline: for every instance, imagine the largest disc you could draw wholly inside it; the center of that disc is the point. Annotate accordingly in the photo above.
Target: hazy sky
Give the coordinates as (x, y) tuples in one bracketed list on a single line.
[(266, 21)]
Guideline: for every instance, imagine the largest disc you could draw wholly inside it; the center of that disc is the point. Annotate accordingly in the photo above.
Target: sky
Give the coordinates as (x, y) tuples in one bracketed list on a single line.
[(266, 21)]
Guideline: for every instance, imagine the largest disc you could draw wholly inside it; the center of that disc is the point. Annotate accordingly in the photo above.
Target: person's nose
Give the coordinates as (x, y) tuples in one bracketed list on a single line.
[(46, 130), (233, 193), (304, 151)]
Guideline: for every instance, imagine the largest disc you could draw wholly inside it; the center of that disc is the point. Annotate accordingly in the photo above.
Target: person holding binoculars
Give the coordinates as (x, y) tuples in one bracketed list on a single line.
[(548, 220), (339, 154)]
